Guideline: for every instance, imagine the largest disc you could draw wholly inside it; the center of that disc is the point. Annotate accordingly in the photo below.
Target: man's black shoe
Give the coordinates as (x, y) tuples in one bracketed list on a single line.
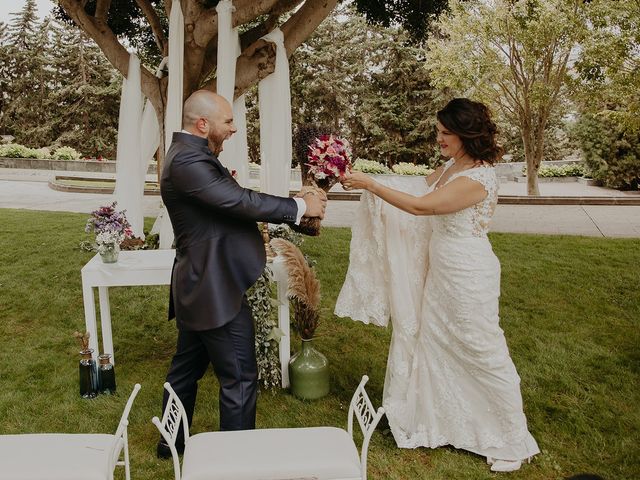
[(163, 450)]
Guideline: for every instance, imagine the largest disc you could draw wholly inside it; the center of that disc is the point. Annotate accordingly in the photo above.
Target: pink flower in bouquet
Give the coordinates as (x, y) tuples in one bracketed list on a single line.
[(329, 157)]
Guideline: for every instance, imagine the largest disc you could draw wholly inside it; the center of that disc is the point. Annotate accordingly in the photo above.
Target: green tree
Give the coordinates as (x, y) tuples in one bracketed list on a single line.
[(395, 118), (113, 24), (27, 78), (608, 93), (4, 70), (514, 55), (609, 62), (85, 95), (367, 82)]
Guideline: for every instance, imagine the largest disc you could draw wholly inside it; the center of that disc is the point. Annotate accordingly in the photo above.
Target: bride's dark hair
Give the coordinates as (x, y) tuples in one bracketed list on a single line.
[(471, 121)]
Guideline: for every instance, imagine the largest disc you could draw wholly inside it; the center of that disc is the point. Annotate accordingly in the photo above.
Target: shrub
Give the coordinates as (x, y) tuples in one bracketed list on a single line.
[(43, 152), (611, 151), (568, 170), (404, 168), (370, 166), (66, 153), (14, 150)]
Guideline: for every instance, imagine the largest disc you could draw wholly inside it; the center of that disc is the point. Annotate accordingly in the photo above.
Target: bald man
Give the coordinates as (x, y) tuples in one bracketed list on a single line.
[(219, 255)]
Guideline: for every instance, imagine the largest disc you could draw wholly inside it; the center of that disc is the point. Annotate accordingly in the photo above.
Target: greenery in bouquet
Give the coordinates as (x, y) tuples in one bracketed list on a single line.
[(284, 231), (110, 226)]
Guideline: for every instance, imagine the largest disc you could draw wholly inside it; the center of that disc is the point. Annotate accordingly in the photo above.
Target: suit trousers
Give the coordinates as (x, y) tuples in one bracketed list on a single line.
[(231, 351)]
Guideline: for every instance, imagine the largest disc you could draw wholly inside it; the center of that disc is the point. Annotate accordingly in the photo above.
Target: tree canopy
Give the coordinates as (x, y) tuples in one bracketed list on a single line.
[(56, 86), (514, 55), (114, 24)]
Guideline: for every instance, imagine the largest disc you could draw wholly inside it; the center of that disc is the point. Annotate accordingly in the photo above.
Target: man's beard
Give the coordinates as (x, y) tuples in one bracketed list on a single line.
[(214, 146)]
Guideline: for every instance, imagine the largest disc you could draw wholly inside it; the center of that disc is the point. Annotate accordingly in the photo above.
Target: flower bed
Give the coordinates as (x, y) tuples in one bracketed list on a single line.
[(14, 150), (402, 168), (557, 171)]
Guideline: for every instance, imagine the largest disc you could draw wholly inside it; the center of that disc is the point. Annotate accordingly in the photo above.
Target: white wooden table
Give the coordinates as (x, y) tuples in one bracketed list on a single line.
[(153, 267)]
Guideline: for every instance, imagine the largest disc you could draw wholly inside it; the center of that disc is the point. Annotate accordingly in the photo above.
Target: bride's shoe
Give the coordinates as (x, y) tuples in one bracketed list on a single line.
[(506, 465)]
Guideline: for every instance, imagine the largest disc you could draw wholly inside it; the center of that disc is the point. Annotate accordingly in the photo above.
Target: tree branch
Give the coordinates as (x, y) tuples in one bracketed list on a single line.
[(205, 30), (116, 54), (246, 39), (255, 63), (156, 26), (102, 9), (302, 23)]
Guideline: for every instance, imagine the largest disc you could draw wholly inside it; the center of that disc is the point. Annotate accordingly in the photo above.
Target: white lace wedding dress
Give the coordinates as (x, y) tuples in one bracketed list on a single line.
[(450, 379)]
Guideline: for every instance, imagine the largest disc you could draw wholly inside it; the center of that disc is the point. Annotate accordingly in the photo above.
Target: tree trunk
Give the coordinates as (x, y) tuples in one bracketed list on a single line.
[(533, 158)]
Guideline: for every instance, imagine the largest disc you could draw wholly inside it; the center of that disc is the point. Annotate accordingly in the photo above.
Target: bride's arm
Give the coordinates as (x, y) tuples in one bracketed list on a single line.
[(456, 195)]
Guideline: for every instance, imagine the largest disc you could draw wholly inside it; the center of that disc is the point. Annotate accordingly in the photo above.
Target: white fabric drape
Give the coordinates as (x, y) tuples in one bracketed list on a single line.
[(388, 260), (237, 146), (275, 123), (227, 41), (173, 116), (129, 176), (149, 138), (235, 154)]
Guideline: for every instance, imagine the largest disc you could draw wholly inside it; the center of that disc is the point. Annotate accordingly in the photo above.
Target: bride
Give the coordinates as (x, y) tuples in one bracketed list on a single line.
[(452, 381)]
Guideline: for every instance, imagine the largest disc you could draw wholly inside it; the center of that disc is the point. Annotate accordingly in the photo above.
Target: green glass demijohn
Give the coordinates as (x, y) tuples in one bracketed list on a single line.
[(309, 372)]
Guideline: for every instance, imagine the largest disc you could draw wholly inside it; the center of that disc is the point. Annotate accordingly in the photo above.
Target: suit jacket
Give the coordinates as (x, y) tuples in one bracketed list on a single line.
[(219, 249)]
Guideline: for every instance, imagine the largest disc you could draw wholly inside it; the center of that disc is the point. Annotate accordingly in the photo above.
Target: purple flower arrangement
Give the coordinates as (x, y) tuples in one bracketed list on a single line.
[(110, 226)]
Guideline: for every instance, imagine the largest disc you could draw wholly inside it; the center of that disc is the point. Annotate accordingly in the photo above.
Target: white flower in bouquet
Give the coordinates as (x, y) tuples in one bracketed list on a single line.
[(108, 239)]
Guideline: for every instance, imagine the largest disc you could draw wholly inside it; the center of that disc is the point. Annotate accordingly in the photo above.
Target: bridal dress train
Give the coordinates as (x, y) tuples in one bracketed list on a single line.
[(450, 379)]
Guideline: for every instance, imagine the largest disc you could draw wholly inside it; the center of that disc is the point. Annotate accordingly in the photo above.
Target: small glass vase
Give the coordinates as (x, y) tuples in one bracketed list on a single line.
[(106, 374), (88, 377), (309, 372), (109, 252)]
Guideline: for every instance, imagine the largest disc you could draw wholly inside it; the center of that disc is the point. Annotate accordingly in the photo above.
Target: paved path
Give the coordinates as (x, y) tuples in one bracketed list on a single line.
[(28, 189)]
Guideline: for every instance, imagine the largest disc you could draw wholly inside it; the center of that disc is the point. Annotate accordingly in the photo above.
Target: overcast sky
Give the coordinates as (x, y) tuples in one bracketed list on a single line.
[(12, 6)]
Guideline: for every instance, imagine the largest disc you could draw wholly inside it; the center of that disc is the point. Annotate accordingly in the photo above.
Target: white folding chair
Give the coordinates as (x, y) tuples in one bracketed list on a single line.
[(321, 453), (67, 456)]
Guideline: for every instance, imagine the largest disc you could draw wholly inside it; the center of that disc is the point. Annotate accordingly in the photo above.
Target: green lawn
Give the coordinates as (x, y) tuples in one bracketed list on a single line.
[(570, 308)]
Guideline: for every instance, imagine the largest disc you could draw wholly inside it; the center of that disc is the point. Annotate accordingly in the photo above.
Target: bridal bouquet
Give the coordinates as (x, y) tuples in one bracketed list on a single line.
[(328, 158)]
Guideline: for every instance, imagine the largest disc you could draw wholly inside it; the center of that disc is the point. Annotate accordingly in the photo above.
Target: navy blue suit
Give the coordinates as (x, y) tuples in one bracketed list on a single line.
[(219, 255)]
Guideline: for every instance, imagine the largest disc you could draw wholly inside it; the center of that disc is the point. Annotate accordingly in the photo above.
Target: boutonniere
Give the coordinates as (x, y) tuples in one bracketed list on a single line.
[(234, 174)]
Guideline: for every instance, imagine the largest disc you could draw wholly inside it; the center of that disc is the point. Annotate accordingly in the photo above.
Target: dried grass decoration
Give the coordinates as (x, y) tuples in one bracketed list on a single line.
[(303, 288), (83, 339)]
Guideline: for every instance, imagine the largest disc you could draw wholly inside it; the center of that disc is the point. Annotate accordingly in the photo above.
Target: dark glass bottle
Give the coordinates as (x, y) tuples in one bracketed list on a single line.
[(106, 374), (88, 379)]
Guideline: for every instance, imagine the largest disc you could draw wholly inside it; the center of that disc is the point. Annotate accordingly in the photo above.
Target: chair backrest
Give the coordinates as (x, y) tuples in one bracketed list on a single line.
[(368, 418), (174, 414), (121, 434)]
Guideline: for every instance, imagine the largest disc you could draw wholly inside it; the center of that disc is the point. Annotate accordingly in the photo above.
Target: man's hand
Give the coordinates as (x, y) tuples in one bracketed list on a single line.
[(316, 201)]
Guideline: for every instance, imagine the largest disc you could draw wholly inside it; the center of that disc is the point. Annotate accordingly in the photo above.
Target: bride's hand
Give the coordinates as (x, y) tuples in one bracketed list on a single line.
[(356, 181)]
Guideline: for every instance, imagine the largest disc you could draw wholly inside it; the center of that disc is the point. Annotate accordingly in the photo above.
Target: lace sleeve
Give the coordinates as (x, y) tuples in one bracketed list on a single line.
[(486, 176)]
